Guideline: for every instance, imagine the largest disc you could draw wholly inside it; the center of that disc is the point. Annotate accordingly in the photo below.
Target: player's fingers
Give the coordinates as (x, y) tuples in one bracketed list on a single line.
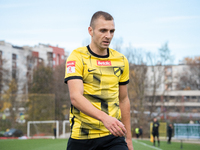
[(118, 131), (113, 131), (122, 127), (121, 132)]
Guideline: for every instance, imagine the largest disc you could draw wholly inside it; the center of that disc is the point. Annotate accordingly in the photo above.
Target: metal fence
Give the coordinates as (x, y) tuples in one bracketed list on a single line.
[(187, 131)]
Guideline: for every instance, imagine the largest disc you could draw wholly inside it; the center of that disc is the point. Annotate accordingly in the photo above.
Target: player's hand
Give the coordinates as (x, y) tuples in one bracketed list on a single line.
[(114, 126)]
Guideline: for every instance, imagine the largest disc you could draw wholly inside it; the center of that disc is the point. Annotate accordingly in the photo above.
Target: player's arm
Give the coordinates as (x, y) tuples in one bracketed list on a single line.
[(85, 106), (124, 105)]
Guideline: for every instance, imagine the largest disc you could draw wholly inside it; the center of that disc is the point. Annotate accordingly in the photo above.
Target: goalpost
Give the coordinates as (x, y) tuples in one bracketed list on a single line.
[(43, 122), (64, 128)]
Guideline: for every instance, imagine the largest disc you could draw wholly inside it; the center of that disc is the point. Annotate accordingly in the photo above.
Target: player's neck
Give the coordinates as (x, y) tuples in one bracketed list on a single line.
[(97, 50)]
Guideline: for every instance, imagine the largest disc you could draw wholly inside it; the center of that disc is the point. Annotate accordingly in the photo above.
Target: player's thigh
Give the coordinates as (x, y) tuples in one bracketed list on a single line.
[(119, 147), (154, 134), (157, 135), (74, 144), (114, 143)]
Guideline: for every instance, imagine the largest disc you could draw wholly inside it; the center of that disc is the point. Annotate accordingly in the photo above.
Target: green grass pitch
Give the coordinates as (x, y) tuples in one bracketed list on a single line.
[(60, 144)]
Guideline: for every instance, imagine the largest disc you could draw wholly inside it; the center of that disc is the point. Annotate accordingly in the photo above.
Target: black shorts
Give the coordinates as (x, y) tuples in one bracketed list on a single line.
[(155, 134), (109, 142)]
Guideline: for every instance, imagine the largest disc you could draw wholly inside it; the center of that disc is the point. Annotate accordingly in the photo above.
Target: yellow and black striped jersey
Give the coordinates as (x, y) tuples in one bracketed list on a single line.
[(101, 77)]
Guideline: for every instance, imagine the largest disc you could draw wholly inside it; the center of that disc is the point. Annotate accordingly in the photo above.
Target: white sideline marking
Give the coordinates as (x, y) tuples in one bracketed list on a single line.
[(147, 145)]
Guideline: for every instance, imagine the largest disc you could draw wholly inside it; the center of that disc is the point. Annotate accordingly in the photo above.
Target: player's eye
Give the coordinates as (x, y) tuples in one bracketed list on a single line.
[(103, 30), (112, 31)]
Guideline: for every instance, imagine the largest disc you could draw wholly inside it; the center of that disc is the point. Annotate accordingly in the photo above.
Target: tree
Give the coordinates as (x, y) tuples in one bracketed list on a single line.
[(62, 100), (42, 81), (47, 88), (146, 79), (10, 96), (165, 55), (41, 97), (190, 78), (4, 80), (159, 80), (137, 85)]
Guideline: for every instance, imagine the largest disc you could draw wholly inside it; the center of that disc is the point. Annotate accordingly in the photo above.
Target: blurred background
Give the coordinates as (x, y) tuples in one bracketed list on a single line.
[(159, 38)]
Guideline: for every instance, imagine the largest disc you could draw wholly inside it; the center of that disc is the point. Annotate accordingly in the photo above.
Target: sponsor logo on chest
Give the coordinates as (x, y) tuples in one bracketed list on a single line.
[(103, 63)]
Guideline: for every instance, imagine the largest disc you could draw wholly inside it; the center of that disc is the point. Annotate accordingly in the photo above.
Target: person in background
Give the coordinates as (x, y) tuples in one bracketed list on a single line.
[(155, 131), (3, 117), (54, 131), (97, 78), (137, 132), (170, 131), (141, 132)]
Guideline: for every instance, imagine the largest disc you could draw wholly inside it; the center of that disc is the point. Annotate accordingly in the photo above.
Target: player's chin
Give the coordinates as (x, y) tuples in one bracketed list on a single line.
[(105, 46)]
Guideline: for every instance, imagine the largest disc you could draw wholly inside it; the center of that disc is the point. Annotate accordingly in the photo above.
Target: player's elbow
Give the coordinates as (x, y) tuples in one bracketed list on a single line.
[(74, 99)]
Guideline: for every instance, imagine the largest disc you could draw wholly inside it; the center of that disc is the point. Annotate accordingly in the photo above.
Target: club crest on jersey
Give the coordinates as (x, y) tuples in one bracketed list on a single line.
[(103, 63), (71, 66), (117, 71)]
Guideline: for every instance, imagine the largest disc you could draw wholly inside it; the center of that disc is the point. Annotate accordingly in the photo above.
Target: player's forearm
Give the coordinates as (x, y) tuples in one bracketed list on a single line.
[(125, 113), (85, 106)]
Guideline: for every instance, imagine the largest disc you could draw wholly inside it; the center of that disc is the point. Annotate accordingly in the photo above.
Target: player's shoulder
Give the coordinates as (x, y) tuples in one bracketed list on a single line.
[(80, 50), (116, 53), (79, 53)]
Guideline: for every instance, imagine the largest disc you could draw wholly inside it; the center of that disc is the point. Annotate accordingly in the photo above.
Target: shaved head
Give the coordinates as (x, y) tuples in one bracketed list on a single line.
[(99, 14)]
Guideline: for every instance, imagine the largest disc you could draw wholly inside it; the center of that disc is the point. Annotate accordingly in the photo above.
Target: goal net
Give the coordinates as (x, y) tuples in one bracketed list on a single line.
[(43, 129)]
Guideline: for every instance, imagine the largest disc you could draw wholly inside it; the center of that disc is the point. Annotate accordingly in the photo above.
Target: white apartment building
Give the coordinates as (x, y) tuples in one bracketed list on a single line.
[(169, 98), (20, 61)]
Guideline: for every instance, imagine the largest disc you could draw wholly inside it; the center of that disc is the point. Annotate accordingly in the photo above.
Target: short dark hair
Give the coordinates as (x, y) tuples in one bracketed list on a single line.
[(98, 14)]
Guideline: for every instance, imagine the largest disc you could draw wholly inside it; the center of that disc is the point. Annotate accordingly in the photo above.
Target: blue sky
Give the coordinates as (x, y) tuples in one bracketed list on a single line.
[(143, 24)]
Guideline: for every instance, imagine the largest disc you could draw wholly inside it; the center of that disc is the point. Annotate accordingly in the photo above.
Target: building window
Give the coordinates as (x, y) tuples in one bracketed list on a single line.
[(50, 59), (14, 66), (1, 59), (198, 98), (58, 59)]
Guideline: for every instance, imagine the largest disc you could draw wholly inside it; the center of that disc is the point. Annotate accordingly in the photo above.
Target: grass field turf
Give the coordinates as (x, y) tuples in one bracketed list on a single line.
[(60, 144)]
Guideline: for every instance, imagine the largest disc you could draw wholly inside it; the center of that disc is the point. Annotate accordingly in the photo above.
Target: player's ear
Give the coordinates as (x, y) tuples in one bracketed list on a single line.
[(90, 30)]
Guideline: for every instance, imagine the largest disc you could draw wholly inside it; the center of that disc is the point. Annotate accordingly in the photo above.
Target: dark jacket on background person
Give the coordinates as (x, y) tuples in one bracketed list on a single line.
[(169, 132), (155, 127)]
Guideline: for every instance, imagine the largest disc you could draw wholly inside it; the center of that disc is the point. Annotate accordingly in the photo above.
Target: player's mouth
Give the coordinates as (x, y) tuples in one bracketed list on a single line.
[(106, 42)]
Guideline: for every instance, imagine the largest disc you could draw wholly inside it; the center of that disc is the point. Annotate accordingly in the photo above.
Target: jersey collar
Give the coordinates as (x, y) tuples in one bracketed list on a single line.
[(96, 55)]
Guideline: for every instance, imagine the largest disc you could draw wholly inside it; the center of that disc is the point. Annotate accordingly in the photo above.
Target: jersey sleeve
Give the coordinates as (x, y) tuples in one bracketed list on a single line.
[(74, 67), (125, 75)]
